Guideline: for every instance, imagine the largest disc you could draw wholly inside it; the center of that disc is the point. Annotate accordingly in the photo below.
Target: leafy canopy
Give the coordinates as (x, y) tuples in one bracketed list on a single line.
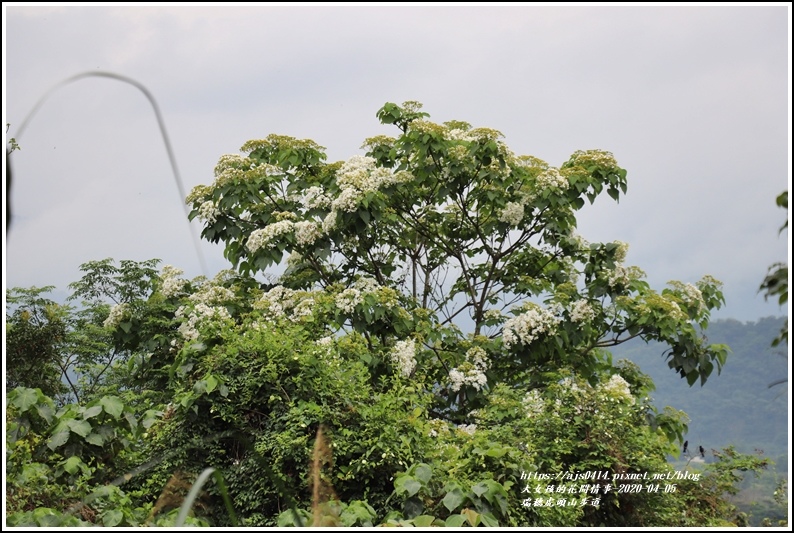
[(441, 230), (428, 304)]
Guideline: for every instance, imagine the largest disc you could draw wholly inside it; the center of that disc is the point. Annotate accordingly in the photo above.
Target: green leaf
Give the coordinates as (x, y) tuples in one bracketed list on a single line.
[(424, 520), (95, 439), (495, 452), (453, 499), (472, 516), (112, 405), (150, 417), (489, 520), (413, 507), (423, 473), (81, 427), (131, 420), (47, 518), (58, 440), (73, 464), (479, 489), (25, 398), (112, 518), (455, 520), (92, 411), (45, 411), (212, 382), (407, 485)]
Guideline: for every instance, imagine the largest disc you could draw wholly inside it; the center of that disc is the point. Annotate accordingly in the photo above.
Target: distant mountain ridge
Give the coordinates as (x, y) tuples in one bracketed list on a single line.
[(737, 406)]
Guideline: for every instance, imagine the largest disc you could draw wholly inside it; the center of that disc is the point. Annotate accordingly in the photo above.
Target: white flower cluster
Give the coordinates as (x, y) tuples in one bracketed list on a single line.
[(303, 308), (200, 314), (278, 301), (377, 141), (472, 371), (552, 179), (231, 161), (411, 106), (581, 242), (460, 134), (512, 214), (207, 307), (329, 222), (617, 388), (486, 134), (528, 326), (403, 354), (294, 258), (621, 251), (597, 158), (325, 341), (231, 168), (492, 314), (314, 197), (437, 426), (358, 176), (530, 162), (262, 237), (709, 281), (571, 385), (549, 178), (208, 212), (359, 172), (618, 276), (533, 403), (582, 311), (458, 152), (691, 295), (426, 126), (572, 388), (199, 192), (347, 200), (235, 168), (306, 232), (172, 284), (117, 314), (261, 172), (210, 294), (468, 429), (348, 299)]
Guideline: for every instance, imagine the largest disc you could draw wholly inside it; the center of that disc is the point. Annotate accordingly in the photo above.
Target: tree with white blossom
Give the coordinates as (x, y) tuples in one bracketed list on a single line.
[(428, 306), (445, 237)]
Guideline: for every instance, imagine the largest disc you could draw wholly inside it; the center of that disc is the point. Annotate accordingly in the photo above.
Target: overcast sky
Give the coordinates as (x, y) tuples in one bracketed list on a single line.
[(693, 102)]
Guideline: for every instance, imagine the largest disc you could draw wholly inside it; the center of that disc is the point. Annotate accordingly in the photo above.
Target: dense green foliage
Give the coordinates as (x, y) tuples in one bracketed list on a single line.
[(739, 409), (435, 344), (776, 281), (35, 334)]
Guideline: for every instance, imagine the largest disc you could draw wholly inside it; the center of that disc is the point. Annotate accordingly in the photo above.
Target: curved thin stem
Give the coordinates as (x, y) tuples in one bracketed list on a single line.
[(160, 123)]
